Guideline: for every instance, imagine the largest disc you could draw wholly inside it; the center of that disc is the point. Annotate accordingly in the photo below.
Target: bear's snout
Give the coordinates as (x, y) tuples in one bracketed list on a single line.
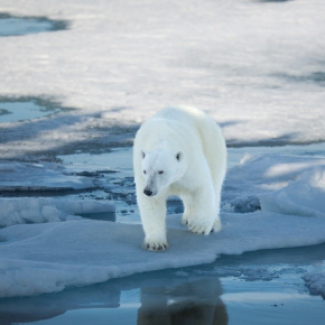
[(147, 192)]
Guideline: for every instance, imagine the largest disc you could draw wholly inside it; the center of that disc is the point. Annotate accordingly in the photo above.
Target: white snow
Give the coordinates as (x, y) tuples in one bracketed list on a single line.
[(49, 257), (39, 210), (285, 184), (257, 67), (303, 196)]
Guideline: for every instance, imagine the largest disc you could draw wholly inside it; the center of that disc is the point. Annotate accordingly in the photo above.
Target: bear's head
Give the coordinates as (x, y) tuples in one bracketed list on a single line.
[(160, 169)]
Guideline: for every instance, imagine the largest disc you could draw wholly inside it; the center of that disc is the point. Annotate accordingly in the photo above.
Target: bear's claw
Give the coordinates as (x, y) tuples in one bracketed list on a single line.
[(199, 229), (156, 247)]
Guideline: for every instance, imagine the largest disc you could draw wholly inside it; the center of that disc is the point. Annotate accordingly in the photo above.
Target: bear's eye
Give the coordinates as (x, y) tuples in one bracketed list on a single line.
[(145, 172), (160, 172)]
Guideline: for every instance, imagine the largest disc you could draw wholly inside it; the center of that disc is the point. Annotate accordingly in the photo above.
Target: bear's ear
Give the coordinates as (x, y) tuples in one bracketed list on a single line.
[(143, 154), (179, 156)]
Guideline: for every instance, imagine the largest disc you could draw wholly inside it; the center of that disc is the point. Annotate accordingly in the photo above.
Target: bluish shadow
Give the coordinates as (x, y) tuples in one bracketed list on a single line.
[(17, 26)]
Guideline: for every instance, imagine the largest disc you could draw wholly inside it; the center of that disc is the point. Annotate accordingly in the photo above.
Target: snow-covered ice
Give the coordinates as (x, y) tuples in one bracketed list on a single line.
[(303, 196), (286, 184), (256, 66), (39, 210), (52, 256)]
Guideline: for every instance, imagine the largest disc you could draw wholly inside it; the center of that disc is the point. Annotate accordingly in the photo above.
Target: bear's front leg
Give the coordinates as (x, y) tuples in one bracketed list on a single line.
[(153, 218), (200, 211)]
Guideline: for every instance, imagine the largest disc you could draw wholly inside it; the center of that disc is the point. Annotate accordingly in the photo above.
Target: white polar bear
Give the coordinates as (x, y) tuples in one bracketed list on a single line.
[(179, 151)]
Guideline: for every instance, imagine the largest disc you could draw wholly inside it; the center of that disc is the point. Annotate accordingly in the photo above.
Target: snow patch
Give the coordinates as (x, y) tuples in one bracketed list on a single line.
[(277, 183), (302, 197)]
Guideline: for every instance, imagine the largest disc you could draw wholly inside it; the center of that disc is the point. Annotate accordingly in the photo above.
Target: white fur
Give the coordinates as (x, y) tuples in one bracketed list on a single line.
[(179, 151)]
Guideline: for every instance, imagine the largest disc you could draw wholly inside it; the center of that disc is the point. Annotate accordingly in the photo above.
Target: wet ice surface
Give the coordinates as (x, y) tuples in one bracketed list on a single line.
[(15, 26), (20, 111)]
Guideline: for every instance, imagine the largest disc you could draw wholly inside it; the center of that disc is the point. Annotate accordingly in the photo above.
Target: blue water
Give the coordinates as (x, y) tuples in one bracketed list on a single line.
[(17, 26), (21, 111)]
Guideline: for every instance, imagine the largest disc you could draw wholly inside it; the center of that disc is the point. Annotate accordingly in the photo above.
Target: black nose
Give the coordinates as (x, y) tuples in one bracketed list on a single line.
[(147, 192)]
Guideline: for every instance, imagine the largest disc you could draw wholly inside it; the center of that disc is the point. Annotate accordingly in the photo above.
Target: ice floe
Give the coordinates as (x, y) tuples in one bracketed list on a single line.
[(39, 210), (49, 257), (315, 282)]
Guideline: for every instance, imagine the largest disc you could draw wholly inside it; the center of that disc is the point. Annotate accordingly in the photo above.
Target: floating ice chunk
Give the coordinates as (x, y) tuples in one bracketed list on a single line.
[(39, 210), (315, 282), (49, 257)]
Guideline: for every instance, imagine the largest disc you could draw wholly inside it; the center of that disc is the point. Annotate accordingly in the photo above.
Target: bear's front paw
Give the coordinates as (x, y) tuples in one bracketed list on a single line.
[(200, 228), (184, 220), (155, 245)]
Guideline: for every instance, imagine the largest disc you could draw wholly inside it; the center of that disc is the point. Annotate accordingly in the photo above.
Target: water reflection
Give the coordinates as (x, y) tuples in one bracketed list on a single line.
[(162, 298), (196, 302)]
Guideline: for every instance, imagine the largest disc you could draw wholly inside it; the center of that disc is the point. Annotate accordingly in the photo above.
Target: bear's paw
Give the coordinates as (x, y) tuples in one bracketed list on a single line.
[(152, 245), (201, 228)]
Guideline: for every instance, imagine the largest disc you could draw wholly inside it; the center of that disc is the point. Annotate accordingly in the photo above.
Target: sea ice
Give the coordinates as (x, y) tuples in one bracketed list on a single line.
[(39, 210), (244, 62), (49, 257), (282, 184), (302, 197), (40, 177), (315, 282)]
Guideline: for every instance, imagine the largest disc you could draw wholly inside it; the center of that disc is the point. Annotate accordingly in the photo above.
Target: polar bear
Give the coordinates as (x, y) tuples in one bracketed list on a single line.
[(179, 151)]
